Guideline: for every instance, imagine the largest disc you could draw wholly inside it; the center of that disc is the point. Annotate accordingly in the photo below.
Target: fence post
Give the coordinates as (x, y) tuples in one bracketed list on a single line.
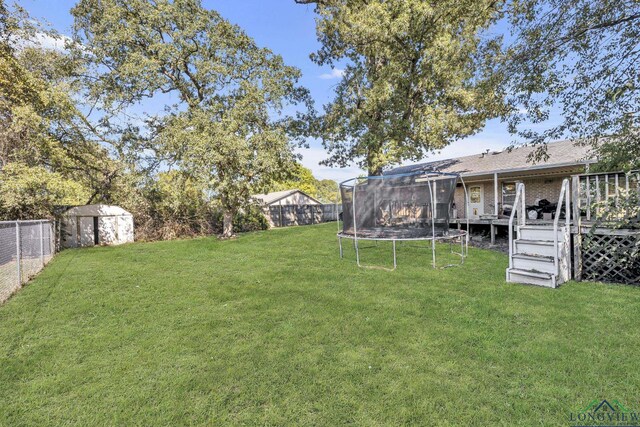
[(42, 242), (18, 251)]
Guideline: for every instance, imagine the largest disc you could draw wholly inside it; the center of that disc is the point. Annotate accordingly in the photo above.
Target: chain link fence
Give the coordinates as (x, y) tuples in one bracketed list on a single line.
[(25, 248)]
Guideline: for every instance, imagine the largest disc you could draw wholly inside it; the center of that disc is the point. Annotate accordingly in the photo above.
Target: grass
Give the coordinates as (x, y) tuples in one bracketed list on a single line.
[(274, 329)]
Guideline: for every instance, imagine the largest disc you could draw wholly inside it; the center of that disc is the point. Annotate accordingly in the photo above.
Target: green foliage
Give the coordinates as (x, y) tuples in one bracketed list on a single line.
[(43, 134), (250, 218), (173, 205), (302, 178), (618, 211), (621, 153), (576, 62), (298, 177), (274, 329), (28, 192), (229, 131), (328, 191), (418, 76)]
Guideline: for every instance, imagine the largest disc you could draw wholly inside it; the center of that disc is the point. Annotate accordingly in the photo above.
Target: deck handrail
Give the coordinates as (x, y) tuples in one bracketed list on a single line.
[(522, 218), (589, 183), (564, 197)]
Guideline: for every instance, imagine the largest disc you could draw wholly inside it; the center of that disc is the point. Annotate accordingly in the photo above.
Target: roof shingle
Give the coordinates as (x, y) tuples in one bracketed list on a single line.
[(565, 152)]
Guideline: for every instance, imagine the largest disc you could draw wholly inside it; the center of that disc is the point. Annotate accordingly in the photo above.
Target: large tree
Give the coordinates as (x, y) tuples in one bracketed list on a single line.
[(417, 76), (47, 154), (227, 128), (572, 72)]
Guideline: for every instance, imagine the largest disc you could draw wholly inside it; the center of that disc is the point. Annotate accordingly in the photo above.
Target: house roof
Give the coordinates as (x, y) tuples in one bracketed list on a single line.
[(561, 153), (270, 198)]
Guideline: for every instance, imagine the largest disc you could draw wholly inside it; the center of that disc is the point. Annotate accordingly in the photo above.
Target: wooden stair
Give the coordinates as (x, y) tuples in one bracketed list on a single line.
[(540, 254), (532, 259)]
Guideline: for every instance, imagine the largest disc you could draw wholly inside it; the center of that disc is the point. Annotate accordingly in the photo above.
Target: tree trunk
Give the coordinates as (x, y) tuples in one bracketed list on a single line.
[(374, 166), (227, 223), (375, 171)]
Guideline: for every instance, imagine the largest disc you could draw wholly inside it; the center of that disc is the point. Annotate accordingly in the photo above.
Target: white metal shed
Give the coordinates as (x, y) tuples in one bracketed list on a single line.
[(91, 225)]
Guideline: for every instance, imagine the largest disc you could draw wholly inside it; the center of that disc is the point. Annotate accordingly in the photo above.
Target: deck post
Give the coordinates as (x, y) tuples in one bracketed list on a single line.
[(575, 195), (493, 233), (577, 219), (495, 197)]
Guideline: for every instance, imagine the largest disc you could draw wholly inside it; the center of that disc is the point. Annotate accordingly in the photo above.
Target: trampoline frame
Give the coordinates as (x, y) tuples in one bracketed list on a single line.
[(431, 179)]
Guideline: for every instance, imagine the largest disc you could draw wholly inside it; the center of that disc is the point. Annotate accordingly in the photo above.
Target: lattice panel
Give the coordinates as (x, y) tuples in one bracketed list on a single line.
[(607, 258)]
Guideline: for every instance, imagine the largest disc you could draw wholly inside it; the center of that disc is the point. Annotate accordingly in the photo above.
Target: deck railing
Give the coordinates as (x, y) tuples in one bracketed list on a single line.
[(591, 191), (519, 207), (564, 197)]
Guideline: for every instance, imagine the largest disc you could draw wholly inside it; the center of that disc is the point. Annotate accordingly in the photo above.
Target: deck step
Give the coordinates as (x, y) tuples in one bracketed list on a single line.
[(534, 247), (515, 275), (539, 232), (535, 263)]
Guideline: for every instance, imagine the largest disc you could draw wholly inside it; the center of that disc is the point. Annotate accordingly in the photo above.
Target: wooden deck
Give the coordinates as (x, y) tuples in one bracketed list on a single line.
[(494, 223)]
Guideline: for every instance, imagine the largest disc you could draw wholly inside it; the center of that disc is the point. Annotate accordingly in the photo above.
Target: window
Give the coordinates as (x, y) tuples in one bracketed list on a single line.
[(508, 195)]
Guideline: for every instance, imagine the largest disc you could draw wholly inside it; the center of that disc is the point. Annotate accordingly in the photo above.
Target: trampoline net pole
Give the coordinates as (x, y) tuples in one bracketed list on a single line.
[(433, 225), (354, 216)]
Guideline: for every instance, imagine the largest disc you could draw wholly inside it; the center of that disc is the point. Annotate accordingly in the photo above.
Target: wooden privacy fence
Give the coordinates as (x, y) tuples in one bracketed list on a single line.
[(287, 215)]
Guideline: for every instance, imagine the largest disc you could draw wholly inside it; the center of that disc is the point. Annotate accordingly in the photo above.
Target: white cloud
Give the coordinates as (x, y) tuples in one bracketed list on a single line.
[(47, 41), (336, 73), (41, 40)]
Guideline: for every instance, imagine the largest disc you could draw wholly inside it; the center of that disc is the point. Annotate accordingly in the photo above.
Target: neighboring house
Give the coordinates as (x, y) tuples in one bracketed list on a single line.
[(286, 197), (290, 207), (491, 177)]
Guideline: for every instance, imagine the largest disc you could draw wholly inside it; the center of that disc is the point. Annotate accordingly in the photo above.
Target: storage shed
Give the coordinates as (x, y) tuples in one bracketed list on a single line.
[(91, 225)]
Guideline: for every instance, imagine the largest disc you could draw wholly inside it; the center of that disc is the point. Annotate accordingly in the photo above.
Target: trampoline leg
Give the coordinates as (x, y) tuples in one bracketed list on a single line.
[(355, 242), (340, 243), (433, 251), (394, 255)]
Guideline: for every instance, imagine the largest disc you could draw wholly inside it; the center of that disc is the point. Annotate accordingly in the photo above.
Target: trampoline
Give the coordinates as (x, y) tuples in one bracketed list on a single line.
[(402, 208)]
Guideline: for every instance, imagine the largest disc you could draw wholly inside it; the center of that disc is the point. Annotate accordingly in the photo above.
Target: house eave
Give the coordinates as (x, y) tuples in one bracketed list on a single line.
[(489, 174)]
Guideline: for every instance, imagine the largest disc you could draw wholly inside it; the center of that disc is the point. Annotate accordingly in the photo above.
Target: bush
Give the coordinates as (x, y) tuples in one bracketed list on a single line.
[(252, 219)]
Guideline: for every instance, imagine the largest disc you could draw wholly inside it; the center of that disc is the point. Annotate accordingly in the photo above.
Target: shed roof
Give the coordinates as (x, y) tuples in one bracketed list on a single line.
[(561, 153), (275, 196), (95, 210)]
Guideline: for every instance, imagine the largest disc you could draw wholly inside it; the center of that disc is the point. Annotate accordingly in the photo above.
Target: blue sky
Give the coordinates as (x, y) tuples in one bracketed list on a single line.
[(289, 30)]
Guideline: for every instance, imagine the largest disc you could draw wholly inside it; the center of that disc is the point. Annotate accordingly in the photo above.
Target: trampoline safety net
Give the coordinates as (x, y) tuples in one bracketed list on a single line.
[(398, 206)]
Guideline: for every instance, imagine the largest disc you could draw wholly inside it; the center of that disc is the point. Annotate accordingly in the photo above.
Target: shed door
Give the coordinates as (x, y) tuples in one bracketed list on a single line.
[(87, 234), (108, 230), (476, 201)]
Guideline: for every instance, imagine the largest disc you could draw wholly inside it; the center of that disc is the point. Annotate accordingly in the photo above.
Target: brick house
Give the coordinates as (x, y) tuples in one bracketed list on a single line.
[(491, 177)]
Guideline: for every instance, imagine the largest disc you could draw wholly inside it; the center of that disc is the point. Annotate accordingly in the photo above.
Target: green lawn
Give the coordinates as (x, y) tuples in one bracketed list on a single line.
[(274, 329)]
